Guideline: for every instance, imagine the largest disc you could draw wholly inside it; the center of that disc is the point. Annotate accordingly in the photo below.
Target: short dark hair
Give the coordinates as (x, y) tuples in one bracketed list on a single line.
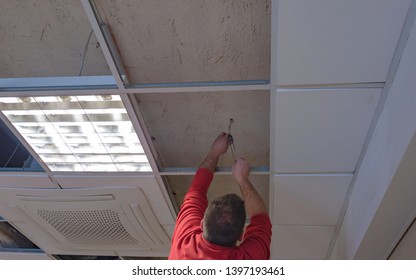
[(224, 220)]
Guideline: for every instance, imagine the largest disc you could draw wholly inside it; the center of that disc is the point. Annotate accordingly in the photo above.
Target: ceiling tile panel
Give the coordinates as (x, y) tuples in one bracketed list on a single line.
[(309, 199), (337, 41), (36, 180), (300, 243), (322, 130)]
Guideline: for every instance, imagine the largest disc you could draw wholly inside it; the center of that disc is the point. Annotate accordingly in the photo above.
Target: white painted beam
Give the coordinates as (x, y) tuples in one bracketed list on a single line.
[(382, 200)]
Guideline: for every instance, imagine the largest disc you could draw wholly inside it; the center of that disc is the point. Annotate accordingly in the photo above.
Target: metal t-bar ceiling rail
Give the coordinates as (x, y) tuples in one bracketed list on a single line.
[(107, 44), (105, 85)]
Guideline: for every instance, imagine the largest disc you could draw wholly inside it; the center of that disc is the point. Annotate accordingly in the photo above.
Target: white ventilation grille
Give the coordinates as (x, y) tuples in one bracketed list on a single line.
[(95, 221), (95, 227)]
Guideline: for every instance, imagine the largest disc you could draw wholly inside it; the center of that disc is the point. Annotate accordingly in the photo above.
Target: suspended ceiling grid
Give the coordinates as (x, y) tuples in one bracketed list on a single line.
[(328, 112), (223, 104), (332, 62)]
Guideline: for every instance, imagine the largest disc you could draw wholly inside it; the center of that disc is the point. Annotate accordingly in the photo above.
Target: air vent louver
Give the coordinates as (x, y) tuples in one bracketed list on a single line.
[(95, 221), (96, 227)]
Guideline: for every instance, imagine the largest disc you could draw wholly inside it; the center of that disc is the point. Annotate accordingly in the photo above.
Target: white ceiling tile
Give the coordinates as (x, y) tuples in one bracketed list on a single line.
[(322, 130), (309, 199), (26, 180), (321, 42), (300, 243)]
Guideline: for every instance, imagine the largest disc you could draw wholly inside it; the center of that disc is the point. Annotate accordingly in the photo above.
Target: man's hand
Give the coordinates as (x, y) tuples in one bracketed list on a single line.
[(218, 148), (241, 170), (220, 145), (253, 202)]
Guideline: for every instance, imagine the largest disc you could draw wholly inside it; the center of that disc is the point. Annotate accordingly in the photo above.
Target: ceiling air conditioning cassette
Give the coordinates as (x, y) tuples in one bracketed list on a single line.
[(100, 221)]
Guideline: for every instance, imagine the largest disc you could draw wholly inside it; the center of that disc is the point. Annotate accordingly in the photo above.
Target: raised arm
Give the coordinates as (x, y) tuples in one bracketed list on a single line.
[(253, 202), (218, 148)]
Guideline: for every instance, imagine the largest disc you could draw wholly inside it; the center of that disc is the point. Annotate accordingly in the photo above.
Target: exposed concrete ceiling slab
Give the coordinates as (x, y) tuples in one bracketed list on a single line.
[(48, 42), (184, 125), (188, 40)]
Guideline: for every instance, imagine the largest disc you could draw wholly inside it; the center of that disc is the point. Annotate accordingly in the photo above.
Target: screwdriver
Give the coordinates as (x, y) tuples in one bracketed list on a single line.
[(231, 139)]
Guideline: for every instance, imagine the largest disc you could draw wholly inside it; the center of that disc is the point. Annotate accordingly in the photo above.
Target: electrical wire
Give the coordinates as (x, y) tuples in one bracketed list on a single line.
[(17, 147), (85, 53)]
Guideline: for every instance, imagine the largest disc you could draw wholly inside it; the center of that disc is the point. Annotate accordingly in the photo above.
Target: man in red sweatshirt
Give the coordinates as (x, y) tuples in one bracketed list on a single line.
[(211, 232)]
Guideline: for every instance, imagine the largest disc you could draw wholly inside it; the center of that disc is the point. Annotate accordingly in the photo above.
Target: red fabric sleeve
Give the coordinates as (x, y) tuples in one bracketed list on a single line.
[(195, 202), (257, 238), (187, 242), (193, 209)]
